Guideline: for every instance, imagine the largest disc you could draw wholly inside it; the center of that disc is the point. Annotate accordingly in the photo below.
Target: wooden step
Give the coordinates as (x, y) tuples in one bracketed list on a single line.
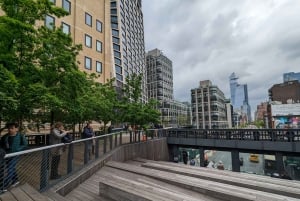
[(120, 188), (243, 182), (211, 188), (254, 177)]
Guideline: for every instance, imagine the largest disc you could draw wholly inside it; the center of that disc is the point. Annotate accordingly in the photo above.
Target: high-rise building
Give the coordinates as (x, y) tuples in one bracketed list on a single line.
[(208, 106), (88, 24), (160, 87), (239, 100), (291, 76), (128, 41), (159, 76)]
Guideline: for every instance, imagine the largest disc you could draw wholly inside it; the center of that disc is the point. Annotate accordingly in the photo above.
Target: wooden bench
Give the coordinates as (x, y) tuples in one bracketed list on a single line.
[(119, 188), (238, 181), (215, 189), (259, 178)]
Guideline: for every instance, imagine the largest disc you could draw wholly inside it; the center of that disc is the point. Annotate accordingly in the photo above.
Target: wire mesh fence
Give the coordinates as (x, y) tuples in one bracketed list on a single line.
[(47, 165)]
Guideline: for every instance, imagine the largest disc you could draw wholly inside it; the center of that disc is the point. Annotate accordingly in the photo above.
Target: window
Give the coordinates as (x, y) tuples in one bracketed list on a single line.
[(119, 77), (118, 69), (99, 46), (88, 41), (98, 67), (88, 19), (66, 5), (116, 47), (118, 61), (114, 25), (113, 4), (115, 32), (117, 54), (49, 22), (65, 28), (116, 40), (99, 26), (88, 63)]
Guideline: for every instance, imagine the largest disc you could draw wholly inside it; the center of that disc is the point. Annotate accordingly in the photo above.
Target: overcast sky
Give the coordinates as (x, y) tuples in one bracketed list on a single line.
[(259, 40)]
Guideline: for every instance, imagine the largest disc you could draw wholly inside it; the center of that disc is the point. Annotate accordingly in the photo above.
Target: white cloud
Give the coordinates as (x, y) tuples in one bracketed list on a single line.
[(210, 39)]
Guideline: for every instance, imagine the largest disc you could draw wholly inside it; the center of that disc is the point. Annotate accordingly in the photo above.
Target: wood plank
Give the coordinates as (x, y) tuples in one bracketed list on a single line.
[(34, 194), (20, 195), (257, 185), (151, 192), (54, 196), (7, 196), (156, 183), (215, 189), (261, 178)]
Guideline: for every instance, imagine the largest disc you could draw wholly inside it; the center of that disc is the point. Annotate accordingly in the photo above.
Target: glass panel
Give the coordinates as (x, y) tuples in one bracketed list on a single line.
[(88, 63), (88, 19), (99, 26), (99, 67)]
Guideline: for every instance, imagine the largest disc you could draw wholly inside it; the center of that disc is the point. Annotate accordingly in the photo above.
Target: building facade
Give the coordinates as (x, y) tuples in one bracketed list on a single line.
[(291, 76), (88, 23), (160, 87), (239, 100), (287, 92), (208, 106), (127, 29)]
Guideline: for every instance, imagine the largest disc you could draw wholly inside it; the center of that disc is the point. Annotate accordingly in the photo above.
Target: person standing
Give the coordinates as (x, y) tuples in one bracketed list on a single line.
[(185, 156), (56, 135), (12, 142), (89, 133)]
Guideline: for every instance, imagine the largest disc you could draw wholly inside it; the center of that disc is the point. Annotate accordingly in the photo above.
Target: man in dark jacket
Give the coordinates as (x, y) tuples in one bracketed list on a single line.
[(88, 133), (12, 142)]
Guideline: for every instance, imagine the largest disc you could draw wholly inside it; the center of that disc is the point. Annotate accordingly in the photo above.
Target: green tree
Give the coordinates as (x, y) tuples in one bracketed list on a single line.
[(133, 110)]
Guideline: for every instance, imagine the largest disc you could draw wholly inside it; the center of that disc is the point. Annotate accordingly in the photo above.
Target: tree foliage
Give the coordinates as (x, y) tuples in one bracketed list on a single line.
[(40, 78)]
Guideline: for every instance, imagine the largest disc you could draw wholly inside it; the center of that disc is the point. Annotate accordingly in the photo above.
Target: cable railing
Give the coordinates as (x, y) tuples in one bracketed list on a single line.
[(46, 165), (279, 135)]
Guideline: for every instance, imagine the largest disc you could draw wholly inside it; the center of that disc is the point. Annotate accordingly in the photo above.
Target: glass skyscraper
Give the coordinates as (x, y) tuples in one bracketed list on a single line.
[(239, 100)]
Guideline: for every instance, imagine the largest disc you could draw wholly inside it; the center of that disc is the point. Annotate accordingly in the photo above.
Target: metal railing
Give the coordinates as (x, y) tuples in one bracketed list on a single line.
[(283, 135), (45, 166)]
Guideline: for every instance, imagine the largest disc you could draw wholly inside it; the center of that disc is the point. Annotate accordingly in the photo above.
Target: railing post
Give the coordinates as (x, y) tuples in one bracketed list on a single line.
[(96, 148), (201, 156), (139, 134), (130, 136), (44, 169), (86, 152), (104, 144), (116, 140), (110, 142), (235, 160), (70, 158), (120, 139), (279, 162)]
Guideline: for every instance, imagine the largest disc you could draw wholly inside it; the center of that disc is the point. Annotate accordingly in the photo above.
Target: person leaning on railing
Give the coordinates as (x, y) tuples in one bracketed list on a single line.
[(11, 142), (56, 136)]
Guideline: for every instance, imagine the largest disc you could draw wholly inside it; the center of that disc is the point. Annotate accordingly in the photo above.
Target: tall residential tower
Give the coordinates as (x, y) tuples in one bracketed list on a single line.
[(128, 41)]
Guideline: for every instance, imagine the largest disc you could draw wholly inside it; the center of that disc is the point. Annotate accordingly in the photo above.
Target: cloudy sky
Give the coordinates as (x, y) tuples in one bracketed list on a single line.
[(259, 40)]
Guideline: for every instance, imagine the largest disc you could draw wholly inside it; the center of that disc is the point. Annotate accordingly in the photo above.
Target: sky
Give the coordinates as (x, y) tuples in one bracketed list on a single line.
[(259, 40)]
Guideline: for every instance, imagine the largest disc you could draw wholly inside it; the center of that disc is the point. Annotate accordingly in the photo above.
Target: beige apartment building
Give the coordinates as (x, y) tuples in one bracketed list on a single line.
[(89, 25)]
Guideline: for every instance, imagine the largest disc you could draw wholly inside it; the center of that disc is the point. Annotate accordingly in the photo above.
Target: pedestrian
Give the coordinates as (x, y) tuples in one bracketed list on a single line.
[(89, 133), (184, 156), (12, 142), (56, 135)]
